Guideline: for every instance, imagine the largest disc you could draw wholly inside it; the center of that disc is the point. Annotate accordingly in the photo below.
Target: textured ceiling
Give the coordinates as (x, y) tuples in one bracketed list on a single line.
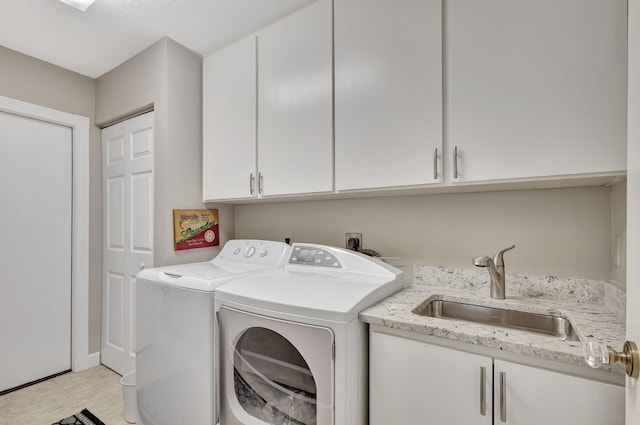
[(111, 31)]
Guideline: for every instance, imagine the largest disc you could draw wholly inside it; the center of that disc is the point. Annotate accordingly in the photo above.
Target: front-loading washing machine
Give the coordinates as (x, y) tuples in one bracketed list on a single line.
[(292, 350), (175, 339)]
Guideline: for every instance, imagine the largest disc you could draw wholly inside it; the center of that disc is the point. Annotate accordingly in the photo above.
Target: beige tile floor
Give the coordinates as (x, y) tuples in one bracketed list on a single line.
[(97, 389)]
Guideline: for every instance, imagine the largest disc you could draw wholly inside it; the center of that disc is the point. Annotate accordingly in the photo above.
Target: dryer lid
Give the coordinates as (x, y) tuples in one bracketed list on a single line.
[(321, 295)]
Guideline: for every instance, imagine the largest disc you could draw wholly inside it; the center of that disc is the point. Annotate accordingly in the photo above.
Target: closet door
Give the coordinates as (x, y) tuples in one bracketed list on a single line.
[(128, 178), (35, 253)]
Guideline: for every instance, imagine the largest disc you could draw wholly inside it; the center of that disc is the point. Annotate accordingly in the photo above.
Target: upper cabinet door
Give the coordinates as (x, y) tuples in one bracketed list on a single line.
[(229, 122), (295, 103), (388, 82), (535, 88)]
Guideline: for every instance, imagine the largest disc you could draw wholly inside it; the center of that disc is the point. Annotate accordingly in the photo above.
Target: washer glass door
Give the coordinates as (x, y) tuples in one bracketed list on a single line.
[(275, 371)]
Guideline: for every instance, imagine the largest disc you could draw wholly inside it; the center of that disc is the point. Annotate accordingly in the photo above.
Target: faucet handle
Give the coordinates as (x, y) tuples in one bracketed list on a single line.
[(498, 257)]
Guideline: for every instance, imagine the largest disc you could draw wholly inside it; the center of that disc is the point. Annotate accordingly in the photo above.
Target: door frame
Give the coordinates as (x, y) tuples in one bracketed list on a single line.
[(80, 357), (632, 385)]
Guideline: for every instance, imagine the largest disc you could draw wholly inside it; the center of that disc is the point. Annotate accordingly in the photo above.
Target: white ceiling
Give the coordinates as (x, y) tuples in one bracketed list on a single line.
[(111, 31)]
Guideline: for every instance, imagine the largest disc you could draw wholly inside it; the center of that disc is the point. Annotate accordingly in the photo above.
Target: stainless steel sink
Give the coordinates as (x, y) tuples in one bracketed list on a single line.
[(532, 322)]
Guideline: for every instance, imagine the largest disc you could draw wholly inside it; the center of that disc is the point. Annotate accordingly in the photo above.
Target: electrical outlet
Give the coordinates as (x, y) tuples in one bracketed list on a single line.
[(358, 244)]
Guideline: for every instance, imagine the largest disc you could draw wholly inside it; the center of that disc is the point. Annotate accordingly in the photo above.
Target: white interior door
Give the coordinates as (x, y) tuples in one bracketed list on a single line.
[(35, 254), (633, 205), (127, 173)]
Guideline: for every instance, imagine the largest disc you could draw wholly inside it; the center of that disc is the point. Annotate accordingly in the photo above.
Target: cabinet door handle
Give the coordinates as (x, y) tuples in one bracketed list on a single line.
[(251, 182), (503, 397), (260, 182), (483, 391), (435, 163), (455, 162)]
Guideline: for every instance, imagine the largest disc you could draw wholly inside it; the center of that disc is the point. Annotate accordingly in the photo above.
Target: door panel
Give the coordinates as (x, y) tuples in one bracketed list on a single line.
[(141, 210), (128, 232), (35, 254), (115, 216), (115, 283)]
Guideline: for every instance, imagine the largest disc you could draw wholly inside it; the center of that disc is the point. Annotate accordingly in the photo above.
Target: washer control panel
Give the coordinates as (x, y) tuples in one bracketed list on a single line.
[(313, 256), (248, 253), (268, 253)]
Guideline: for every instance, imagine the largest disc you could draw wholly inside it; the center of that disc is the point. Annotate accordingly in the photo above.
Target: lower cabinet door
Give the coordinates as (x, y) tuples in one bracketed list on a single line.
[(525, 395), (416, 383)]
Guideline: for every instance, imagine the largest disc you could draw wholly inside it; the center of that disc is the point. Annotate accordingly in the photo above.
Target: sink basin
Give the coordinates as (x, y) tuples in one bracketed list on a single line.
[(532, 322)]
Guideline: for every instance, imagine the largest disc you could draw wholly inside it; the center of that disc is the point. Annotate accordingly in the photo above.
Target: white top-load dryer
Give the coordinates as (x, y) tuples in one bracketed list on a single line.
[(292, 349), (175, 340)]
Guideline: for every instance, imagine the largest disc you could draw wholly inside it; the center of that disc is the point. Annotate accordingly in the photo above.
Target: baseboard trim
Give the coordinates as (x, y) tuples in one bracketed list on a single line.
[(85, 362), (93, 360)]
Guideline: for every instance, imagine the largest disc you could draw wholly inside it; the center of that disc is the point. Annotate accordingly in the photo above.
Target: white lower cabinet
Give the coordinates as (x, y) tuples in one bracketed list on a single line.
[(533, 396), (415, 382)]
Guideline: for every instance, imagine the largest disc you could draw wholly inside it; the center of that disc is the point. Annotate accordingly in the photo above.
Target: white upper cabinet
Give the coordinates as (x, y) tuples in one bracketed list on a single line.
[(229, 122), (427, 94), (388, 93), (535, 88), (268, 111), (295, 103)]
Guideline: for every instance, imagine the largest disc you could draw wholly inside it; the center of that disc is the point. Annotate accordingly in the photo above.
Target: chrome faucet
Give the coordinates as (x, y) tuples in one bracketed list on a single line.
[(496, 271)]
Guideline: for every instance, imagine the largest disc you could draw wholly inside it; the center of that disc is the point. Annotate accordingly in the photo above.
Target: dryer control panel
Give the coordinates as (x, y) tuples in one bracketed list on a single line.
[(313, 256)]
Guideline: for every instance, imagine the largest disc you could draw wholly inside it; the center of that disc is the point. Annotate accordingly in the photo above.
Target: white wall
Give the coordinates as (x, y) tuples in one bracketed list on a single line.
[(168, 77), (181, 179), (565, 232)]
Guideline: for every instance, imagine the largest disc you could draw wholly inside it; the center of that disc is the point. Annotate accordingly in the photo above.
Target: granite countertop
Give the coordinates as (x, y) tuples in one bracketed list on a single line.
[(594, 308)]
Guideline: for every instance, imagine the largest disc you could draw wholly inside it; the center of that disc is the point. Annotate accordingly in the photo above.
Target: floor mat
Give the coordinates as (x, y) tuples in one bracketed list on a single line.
[(83, 418)]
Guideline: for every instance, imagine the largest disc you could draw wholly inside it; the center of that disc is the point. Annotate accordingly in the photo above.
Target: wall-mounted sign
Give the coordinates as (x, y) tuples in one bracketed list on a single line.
[(195, 229)]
